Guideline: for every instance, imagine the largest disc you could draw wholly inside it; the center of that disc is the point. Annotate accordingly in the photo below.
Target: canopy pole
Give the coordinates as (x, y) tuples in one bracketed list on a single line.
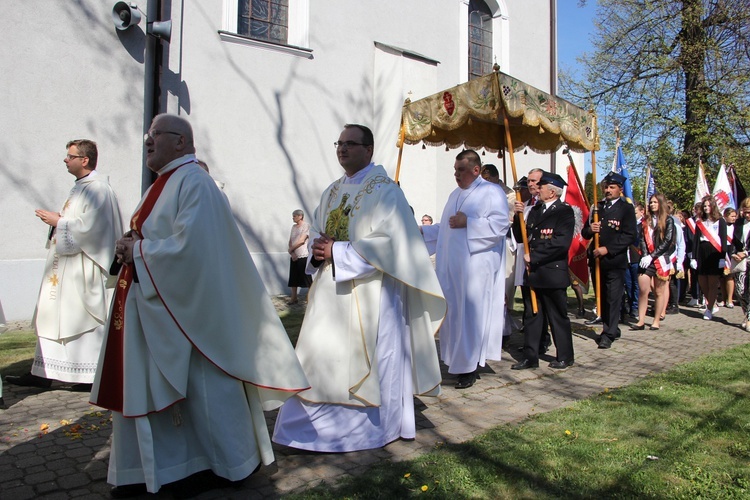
[(401, 138), (524, 237), (595, 211)]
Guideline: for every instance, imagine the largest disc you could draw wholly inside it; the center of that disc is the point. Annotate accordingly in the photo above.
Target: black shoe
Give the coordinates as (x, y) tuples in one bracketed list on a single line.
[(604, 343), (561, 365), (673, 310), (200, 482), (29, 380), (581, 313), (2, 402), (637, 327), (80, 387), (653, 328), (466, 380), (525, 365), (595, 321), (128, 490)]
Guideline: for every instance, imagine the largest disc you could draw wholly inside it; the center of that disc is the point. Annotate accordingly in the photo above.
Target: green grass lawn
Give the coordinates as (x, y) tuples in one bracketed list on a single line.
[(681, 434), (16, 352)]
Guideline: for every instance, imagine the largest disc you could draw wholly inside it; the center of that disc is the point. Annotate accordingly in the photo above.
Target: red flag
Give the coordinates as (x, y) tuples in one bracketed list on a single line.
[(737, 188), (577, 262)]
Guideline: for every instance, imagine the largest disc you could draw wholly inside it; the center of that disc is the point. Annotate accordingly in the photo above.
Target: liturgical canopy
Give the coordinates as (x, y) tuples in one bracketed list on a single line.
[(471, 115)]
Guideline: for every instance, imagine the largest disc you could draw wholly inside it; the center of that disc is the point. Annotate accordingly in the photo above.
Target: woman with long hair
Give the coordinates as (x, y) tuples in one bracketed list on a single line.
[(739, 251), (709, 249), (656, 234)]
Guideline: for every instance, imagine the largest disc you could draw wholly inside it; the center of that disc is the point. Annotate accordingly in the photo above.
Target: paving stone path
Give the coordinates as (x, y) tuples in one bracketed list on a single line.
[(54, 445)]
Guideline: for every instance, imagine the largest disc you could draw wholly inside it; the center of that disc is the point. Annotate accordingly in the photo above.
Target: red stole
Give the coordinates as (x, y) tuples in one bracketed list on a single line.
[(111, 383), (712, 237), (691, 225), (661, 263)]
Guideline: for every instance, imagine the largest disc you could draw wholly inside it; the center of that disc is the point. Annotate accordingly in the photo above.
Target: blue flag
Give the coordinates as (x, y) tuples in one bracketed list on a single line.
[(650, 185), (621, 168)]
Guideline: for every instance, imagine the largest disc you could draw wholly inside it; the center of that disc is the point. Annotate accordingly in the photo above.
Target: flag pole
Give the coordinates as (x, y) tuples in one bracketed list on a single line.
[(595, 211), (522, 224), (400, 145)]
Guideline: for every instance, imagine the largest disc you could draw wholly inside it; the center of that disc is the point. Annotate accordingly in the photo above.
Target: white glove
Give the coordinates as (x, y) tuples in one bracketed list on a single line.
[(646, 261), (694, 263), (722, 263)]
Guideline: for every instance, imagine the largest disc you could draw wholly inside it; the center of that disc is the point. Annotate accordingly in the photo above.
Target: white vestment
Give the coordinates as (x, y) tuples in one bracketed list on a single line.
[(471, 270), (367, 341), (203, 350), (74, 296)]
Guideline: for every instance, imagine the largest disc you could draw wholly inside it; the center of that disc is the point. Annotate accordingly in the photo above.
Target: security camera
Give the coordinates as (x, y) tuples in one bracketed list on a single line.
[(125, 15)]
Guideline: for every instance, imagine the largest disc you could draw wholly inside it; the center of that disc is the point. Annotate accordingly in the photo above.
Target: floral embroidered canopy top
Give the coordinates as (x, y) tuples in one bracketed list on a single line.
[(471, 114)]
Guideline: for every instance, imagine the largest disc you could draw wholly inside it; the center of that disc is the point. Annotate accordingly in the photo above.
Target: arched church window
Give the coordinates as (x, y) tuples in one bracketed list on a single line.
[(480, 39)]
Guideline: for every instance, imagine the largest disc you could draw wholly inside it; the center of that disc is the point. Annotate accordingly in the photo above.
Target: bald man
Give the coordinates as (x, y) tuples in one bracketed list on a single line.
[(195, 351)]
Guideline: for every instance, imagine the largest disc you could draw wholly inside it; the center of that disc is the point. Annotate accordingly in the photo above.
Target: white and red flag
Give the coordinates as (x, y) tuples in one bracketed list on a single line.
[(701, 185), (723, 191)]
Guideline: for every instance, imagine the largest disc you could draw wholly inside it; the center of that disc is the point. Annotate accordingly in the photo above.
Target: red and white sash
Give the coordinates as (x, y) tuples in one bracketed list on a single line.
[(691, 225), (710, 235), (730, 245), (662, 264)]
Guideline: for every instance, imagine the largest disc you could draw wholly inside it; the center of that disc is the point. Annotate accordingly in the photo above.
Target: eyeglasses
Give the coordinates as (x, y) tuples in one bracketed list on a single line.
[(348, 144), (70, 157), (153, 134)]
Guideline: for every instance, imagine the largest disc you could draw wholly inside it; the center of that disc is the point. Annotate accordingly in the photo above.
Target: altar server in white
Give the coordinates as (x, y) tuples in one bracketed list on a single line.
[(470, 245), (367, 341), (195, 351), (76, 287)]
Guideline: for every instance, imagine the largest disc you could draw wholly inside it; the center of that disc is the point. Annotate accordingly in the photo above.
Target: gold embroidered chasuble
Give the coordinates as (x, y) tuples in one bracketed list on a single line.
[(337, 340)]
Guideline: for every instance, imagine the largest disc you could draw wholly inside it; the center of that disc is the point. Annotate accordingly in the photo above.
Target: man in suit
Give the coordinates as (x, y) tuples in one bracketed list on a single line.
[(531, 184), (550, 227), (616, 229)]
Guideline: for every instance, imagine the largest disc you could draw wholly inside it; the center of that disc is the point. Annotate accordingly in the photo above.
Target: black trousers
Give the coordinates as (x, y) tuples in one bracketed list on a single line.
[(613, 283), (553, 304), (544, 339)]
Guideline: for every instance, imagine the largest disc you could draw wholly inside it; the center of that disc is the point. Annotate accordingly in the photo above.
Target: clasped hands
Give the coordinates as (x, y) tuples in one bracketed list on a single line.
[(322, 247), (124, 247), (457, 221), (49, 218)]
